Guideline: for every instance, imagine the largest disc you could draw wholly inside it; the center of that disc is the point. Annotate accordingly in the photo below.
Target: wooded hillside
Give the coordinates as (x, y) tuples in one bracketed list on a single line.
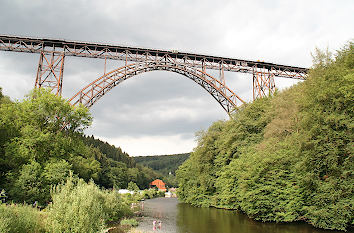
[(283, 158), (162, 163)]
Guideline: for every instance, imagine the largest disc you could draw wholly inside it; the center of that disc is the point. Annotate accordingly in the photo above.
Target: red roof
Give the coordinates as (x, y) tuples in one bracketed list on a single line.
[(159, 184)]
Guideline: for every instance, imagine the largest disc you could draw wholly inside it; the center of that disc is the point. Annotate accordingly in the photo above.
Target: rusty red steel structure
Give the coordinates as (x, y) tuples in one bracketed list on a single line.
[(138, 60)]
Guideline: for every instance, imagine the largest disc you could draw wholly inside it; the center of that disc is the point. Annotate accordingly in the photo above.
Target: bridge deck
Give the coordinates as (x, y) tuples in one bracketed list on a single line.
[(126, 53)]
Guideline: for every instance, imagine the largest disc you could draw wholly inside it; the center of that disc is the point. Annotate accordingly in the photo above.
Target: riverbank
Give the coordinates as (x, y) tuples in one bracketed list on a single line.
[(137, 201), (283, 158)]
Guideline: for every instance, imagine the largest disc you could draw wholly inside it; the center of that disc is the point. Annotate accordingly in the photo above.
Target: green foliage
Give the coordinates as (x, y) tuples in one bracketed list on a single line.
[(117, 168), (21, 218), (82, 207), (77, 207), (111, 152), (56, 171), (133, 187), (41, 142), (162, 163), (3, 196), (129, 222), (327, 113), (150, 193), (115, 206), (3, 98), (28, 185), (283, 158)]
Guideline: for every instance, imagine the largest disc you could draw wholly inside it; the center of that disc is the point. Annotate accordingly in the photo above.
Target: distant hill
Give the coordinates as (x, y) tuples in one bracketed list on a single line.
[(162, 163), (118, 168), (112, 152)]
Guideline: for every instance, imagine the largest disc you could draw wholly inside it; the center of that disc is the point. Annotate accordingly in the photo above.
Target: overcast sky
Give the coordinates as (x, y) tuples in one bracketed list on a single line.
[(159, 112)]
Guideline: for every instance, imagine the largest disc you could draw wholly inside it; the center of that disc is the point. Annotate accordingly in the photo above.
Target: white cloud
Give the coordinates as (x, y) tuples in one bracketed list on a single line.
[(154, 145)]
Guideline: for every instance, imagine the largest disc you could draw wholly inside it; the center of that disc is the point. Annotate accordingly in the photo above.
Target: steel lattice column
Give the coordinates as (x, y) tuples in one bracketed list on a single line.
[(263, 83), (50, 71)]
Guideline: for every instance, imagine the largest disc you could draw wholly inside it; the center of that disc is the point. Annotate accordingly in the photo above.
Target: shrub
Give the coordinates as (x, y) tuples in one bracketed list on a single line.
[(21, 218), (129, 222), (115, 207), (83, 207), (77, 207)]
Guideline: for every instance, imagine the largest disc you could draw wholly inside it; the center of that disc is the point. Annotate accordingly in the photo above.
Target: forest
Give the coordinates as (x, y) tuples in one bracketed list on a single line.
[(118, 168), (42, 142), (165, 165), (285, 158)]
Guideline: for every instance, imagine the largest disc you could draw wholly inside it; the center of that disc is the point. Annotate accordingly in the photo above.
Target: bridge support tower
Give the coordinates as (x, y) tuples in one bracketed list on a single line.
[(263, 83), (50, 71)]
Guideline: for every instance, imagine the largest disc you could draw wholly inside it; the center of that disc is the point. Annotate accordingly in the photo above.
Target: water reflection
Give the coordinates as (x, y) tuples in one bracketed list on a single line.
[(195, 220), (183, 218)]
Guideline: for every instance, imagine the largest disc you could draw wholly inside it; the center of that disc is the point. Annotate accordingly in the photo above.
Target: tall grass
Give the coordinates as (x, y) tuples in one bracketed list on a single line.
[(21, 218)]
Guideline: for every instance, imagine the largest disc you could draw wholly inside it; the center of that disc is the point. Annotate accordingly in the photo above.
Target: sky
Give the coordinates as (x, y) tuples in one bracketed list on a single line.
[(160, 112)]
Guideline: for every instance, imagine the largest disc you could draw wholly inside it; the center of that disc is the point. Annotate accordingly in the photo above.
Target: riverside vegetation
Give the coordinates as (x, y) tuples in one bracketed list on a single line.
[(284, 158), (46, 161), (77, 206), (41, 140)]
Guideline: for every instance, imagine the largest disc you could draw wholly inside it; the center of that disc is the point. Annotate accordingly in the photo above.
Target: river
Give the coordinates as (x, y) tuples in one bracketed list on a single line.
[(183, 218)]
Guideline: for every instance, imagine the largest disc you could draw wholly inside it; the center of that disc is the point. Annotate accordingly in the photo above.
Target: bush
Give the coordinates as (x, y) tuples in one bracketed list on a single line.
[(151, 193), (77, 207), (129, 222), (82, 207), (21, 218), (115, 207)]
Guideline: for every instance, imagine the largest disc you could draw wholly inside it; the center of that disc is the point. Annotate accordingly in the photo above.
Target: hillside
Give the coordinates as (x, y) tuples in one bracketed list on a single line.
[(284, 158), (118, 168), (162, 163)]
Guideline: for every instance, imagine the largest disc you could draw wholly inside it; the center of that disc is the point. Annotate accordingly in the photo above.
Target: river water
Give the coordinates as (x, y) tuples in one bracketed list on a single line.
[(184, 218)]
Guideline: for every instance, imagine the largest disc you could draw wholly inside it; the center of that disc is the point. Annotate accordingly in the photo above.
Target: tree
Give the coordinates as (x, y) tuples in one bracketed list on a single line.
[(40, 135), (133, 187)]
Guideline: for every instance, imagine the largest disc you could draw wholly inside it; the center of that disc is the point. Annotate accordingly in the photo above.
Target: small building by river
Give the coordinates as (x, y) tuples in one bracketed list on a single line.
[(159, 184)]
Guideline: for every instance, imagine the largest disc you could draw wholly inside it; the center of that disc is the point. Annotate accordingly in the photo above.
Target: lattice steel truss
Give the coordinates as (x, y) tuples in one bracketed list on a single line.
[(263, 83), (194, 66), (50, 72)]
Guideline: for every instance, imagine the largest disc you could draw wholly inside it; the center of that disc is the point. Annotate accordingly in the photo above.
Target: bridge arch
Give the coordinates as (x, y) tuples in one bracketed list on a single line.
[(91, 93)]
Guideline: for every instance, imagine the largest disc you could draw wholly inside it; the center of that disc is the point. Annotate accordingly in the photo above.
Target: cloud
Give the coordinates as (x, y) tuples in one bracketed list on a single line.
[(158, 112), (155, 145)]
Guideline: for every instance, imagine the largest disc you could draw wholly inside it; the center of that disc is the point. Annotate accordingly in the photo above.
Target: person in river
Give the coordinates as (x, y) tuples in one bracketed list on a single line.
[(160, 224), (154, 225)]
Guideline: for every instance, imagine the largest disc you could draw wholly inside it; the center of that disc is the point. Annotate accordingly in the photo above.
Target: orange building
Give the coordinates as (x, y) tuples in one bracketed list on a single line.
[(159, 184)]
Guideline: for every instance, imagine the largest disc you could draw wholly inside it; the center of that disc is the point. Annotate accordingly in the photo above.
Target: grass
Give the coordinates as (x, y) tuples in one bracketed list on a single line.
[(129, 222)]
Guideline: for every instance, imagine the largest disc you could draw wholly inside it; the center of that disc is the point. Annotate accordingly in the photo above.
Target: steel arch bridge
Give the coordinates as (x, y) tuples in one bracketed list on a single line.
[(139, 60), (99, 87)]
